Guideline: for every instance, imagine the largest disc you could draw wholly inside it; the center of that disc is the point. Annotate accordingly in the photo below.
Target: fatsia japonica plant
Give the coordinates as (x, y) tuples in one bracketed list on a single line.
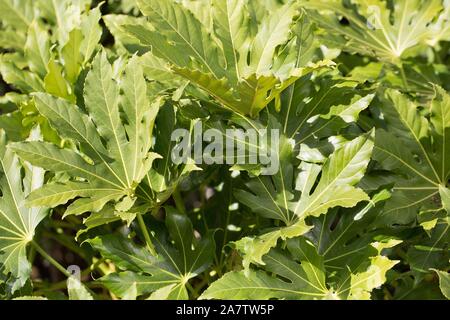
[(118, 179)]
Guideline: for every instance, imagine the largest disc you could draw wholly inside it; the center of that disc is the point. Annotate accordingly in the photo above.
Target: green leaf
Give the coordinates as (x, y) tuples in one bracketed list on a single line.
[(300, 273), (300, 276), (409, 289), (253, 249), (158, 69), (347, 240), (21, 79), (17, 222), (415, 147), (343, 169), (363, 283), (277, 199), (232, 27), (72, 123), (444, 283), (11, 123), (319, 108), (77, 291), (54, 81), (440, 30), (165, 175), (333, 233), (115, 22), (430, 251), (188, 35), (12, 40), (241, 69), (17, 13), (376, 29), (62, 15), (37, 48), (116, 152), (175, 264), (269, 196), (71, 55), (91, 31)]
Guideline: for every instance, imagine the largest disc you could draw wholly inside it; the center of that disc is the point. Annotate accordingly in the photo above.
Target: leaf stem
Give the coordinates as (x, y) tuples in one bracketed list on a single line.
[(52, 261), (155, 211), (192, 290), (148, 240), (437, 56), (44, 287), (404, 79), (65, 242), (179, 203), (31, 255)]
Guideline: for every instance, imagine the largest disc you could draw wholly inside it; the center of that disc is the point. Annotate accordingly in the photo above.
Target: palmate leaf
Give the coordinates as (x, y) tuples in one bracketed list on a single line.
[(65, 15), (108, 172), (17, 13), (379, 30), (237, 60), (408, 289), (92, 32), (122, 40), (348, 241), (333, 233), (416, 148), (17, 222), (430, 251), (300, 265), (72, 42), (165, 175), (24, 80), (421, 79), (312, 110), (49, 55), (429, 255), (300, 274), (440, 30), (8, 39), (165, 275), (276, 198)]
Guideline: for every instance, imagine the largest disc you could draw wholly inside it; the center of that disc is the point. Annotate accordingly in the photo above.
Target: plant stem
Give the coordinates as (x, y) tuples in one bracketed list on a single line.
[(31, 255), (155, 211), (437, 56), (58, 285), (52, 261), (144, 230), (225, 232), (404, 79), (191, 289), (179, 203), (64, 241)]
